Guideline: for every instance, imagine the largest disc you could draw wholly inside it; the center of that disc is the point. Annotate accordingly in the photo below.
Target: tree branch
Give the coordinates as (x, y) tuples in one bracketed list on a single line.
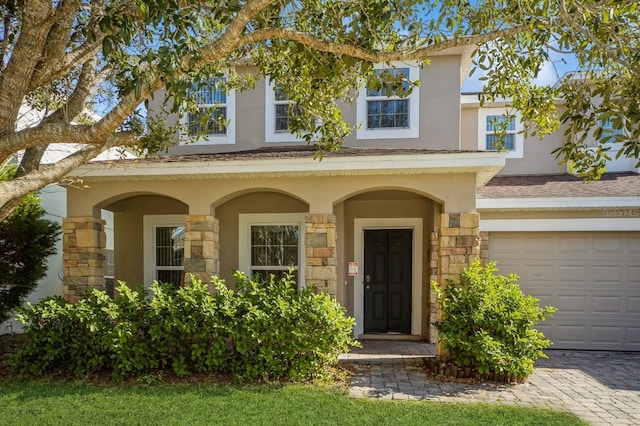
[(581, 29), (86, 86), (16, 189), (229, 40), (316, 43)]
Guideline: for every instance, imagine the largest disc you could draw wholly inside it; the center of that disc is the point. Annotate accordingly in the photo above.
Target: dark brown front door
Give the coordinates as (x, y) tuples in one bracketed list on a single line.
[(388, 259)]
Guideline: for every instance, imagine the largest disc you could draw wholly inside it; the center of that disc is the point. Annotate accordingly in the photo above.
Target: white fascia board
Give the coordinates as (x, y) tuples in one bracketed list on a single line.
[(453, 162), (559, 203), (560, 225)]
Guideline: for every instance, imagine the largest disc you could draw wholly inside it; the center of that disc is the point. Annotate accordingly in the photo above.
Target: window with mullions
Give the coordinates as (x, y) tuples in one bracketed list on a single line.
[(212, 109), (384, 109), (609, 132), (284, 109), (381, 113), (274, 250), (496, 123), (169, 254), (278, 112)]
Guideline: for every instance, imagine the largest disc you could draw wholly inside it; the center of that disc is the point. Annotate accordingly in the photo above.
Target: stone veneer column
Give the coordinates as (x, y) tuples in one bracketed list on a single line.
[(434, 262), (201, 248), (320, 245), (484, 247), (458, 246), (83, 242)]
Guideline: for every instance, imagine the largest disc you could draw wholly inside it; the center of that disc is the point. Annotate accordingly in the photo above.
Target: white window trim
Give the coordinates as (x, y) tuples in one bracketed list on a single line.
[(244, 238), (360, 225), (483, 113), (270, 133), (211, 138), (413, 131), (149, 224)]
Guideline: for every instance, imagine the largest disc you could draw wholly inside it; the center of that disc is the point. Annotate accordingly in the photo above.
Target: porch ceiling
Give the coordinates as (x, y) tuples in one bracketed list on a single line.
[(297, 162)]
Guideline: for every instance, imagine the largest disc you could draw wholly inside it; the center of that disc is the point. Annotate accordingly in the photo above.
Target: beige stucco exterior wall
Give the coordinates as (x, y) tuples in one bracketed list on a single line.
[(439, 110), (439, 115), (347, 197), (455, 190), (469, 129), (128, 232), (537, 157)]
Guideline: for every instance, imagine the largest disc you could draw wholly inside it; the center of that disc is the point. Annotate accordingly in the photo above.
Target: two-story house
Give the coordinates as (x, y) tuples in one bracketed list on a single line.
[(412, 197)]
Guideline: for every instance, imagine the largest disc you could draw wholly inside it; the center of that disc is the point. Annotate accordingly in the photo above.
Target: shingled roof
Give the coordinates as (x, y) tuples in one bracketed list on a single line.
[(284, 153), (565, 185)]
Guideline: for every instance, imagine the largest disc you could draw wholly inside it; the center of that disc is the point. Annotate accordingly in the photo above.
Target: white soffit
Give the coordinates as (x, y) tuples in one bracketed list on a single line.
[(557, 203), (562, 225)]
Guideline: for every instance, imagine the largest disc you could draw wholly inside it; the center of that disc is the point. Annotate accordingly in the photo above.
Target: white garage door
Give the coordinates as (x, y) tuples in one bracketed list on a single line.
[(593, 279)]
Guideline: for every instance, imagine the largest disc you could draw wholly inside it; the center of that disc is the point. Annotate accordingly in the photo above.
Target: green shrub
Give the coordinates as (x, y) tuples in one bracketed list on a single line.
[(283, 332), (27, 239), (488, 323), (262, 330)]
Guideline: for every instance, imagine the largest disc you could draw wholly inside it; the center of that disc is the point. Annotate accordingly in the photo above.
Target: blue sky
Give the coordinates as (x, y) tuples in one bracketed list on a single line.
[(551, 72)]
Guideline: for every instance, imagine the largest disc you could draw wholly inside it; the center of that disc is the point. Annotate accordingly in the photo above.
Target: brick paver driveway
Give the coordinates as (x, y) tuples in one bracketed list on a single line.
[(603, 388)]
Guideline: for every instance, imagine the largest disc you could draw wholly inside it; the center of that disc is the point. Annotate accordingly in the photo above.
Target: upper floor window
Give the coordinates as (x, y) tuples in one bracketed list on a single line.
[(214, 123), (495, 121), (278, 110), (383, 113), (609, 131)]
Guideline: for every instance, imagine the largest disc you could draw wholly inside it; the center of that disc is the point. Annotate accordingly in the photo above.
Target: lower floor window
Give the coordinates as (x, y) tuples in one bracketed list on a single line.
[(169, 254), (274, 250), (272, 244)]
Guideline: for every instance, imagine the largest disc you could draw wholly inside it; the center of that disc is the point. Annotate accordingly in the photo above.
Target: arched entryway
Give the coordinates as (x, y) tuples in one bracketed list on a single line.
[(385, 235)]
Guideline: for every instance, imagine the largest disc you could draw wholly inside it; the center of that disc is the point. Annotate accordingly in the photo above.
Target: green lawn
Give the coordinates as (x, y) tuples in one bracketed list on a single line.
[(63, 403)]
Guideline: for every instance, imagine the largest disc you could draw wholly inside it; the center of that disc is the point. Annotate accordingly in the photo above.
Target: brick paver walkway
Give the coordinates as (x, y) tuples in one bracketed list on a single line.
[(602, 388)]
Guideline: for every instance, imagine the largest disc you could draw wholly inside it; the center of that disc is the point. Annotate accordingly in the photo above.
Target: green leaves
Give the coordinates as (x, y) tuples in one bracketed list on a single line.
[(264, 330), (27, 239), (489, 324)]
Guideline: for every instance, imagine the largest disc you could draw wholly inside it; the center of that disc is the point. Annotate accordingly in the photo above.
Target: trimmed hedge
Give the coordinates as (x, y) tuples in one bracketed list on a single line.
[(261, 330)]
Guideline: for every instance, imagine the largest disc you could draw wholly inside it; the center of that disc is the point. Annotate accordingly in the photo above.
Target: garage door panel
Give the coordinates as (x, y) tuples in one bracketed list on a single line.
[(546, 300), (571, 303), (537, 245), (608, 336), (608, 274), (532, 273), (565, 334), (593, 279), (575, 245), (633, 338), (508, 245), (608, 245), (571, 274), (634, 244), (607, 304)]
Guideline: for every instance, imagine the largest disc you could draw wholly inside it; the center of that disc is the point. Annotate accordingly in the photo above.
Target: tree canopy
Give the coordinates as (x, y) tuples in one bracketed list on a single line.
[(66, 57)]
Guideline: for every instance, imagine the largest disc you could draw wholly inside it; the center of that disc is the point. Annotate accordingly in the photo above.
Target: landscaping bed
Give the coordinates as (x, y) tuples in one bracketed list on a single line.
[(447, 369)]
